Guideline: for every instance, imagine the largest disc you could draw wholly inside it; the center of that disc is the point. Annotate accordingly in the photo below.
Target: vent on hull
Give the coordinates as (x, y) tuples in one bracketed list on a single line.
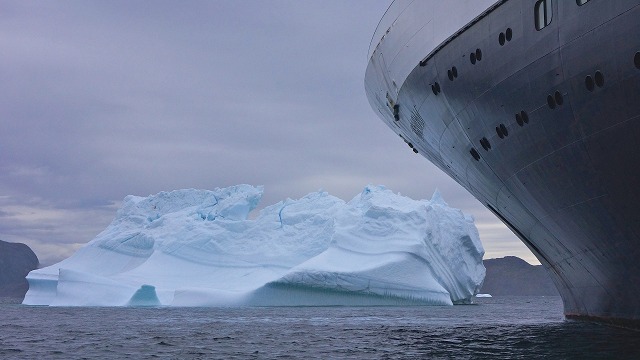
[(417, 123)]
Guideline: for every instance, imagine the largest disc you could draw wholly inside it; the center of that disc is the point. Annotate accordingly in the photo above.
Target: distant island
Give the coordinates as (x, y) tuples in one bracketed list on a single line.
[(16, 261), (511, 275)]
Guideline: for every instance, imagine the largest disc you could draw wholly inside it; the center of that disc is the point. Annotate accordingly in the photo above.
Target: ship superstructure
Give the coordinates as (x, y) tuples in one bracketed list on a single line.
[(534, 107)]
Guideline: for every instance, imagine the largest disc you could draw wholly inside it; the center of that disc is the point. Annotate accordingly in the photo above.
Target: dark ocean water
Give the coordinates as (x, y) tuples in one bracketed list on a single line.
[(500, 327)]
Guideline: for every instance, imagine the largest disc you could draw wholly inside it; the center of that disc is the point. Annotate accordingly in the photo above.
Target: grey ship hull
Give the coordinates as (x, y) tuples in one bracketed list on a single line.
[(544, 129)]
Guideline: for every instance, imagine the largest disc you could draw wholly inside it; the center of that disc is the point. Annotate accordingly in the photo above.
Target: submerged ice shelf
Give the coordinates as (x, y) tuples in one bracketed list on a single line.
[(198, 248)]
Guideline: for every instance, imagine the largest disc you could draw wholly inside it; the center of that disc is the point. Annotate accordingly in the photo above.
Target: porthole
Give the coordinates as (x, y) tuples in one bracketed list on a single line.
[(589, 83), (475, 56), (415, 150), (599, 79), (581, 2), (525, 116), (509, 34), (499, 132), (519, 120), (486, 145), (504, 130), (452, 73), (501, 39), (558, 98), (636, 60), (435, 87), (475, 154), (551, 102)]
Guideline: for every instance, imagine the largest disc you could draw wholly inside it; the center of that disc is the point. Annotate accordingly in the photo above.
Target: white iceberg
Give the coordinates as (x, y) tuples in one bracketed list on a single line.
[(198, 248), (483, 295)]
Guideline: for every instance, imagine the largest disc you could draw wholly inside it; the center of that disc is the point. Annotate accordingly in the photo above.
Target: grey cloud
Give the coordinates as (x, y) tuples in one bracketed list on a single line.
[(101, 99), (6, 214)]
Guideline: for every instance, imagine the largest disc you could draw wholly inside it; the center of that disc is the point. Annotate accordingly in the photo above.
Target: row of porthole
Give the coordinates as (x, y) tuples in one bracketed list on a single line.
[(590, 83), (452, 73), (396, 112), (555, 100), (475, 154), (410, 145), (502, 131), (475, 56), (552, 101), (435, 87), (505, 36), (486, 145), (522, 118)]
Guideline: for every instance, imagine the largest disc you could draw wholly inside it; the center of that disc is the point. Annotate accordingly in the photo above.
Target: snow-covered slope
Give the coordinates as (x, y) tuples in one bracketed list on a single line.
[(197, 248)]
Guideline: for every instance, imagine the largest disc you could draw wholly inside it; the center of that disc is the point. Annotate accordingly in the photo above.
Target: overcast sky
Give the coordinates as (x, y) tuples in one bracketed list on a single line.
[(101, 99)]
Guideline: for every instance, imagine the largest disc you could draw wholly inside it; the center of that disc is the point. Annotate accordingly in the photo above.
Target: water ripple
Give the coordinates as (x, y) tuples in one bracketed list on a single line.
[(497, 328)]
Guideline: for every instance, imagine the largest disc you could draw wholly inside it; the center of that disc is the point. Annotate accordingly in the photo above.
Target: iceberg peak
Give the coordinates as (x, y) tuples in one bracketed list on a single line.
[(437, 198)]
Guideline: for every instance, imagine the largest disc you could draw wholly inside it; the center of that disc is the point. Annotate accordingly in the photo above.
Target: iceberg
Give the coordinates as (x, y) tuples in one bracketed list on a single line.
[(199, 248), (483, 295)]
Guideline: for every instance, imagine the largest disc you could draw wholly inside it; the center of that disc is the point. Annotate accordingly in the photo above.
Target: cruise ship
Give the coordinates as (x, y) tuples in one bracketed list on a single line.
[(534, 107)]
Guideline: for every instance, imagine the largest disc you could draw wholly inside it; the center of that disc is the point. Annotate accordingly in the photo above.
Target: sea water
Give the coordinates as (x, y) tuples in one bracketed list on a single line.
[(498, 327)]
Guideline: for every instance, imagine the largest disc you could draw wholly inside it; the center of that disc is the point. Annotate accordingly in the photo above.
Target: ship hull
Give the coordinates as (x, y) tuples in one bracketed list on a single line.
[(543, 127)]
